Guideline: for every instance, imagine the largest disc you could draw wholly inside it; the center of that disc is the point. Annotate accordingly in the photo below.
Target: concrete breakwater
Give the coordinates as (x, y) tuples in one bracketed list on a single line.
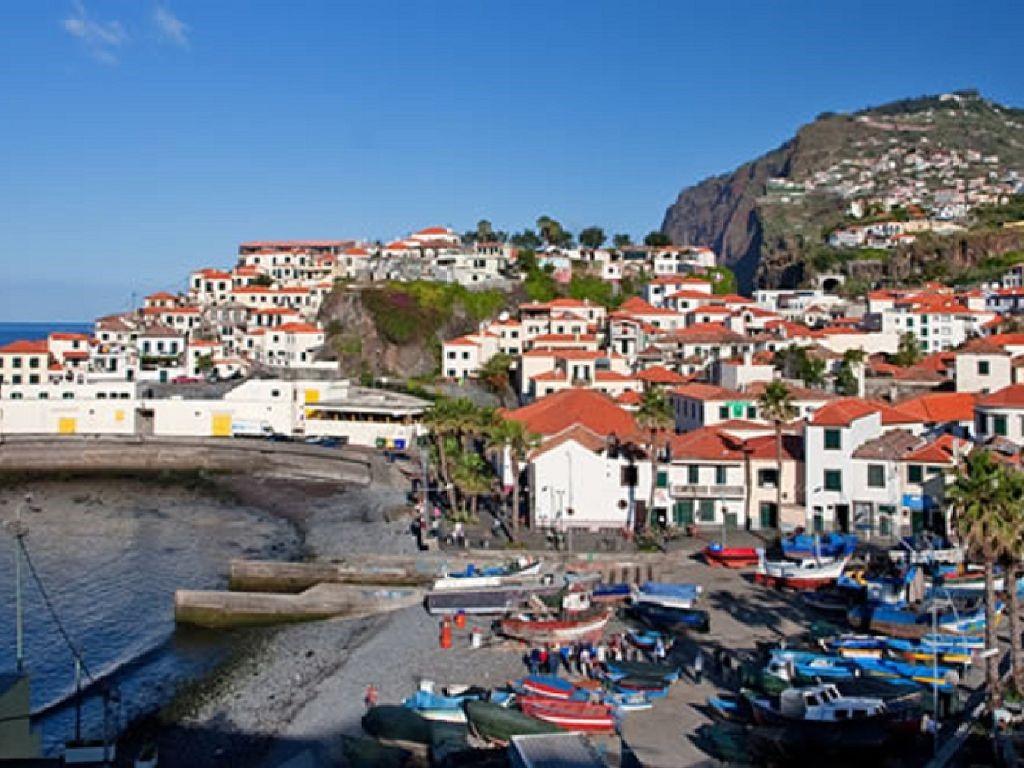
[(86, 454), (273, 576)]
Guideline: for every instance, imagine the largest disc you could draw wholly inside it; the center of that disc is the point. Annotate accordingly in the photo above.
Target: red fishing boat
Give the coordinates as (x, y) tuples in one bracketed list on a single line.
[(582, 627), (805, 574), (718, 556), (571, 715)]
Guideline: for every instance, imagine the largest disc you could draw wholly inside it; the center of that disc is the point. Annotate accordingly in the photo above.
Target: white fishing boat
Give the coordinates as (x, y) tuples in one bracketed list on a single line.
[(800, 574)]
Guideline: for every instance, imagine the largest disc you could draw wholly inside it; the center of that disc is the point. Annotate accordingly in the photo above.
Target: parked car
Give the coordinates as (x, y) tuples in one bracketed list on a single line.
[(280, 437), (327, 442), (186, 380)]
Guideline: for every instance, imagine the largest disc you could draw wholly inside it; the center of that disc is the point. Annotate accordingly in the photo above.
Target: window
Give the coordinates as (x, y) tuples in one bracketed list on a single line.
[(833, 440), (68, 395), (16, 379), (933, 471), (876, 476), (33, 362), (833, 480), (706, 511), (451, 355), (662, 480), (983, 367), (33, 378), (723, 412), (693, 474), (16, 362), (719, 475), (999, 425), (767, 478), (751, 412), (915, 473)]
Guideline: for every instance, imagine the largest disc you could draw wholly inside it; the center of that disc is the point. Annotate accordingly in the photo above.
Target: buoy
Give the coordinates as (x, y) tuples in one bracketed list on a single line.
[(476, 638), (460, 620), (445, 640)]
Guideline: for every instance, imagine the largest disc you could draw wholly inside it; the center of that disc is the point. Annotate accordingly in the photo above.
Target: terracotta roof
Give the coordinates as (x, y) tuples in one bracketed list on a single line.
[(1007, 397), (158, 330), (434, 231), (705, 333), (638, 306), (697, 391), (763, 447), (64, 336), (689, 294), (842, 412), (592, 409), (576, 433), (73, 354), (943, 450), (756, 389), (629, 397), (161, 296), (659, 374), (936, 407), (462, 341), (612, 376), (889, 446), (27, 347), (203, 343), (708, 444)]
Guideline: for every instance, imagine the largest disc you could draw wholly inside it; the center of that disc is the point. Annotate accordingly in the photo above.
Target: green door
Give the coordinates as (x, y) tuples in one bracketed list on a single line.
[(682, 512), (917, 520), (768, 516)]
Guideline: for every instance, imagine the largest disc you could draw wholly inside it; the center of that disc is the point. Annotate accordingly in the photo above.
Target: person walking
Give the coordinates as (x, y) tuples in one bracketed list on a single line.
[(584, 661), (698, 667), (533, 659), (370, 696)]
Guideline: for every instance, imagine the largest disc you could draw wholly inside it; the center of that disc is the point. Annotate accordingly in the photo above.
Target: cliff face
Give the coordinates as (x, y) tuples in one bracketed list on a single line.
[(769, 220), (721, 212)]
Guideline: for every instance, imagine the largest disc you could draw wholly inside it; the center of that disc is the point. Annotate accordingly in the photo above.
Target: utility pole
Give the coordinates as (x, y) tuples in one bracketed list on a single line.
[(19, 531)]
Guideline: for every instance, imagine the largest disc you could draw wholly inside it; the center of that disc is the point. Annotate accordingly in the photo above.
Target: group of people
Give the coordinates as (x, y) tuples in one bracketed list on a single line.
[(590, 659), (422, 528)]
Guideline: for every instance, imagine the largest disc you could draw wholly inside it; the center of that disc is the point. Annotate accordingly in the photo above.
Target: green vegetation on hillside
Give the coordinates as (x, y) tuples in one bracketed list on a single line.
[(409, 312), (722, 279), (998, 215)]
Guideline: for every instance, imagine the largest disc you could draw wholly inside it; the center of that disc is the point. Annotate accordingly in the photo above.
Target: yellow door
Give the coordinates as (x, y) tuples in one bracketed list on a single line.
[(67, 425), (312, 395), (221, 425)]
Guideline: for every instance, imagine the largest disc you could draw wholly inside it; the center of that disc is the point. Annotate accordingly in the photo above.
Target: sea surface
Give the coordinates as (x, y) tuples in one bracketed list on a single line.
[(110, 554), (15, 331)]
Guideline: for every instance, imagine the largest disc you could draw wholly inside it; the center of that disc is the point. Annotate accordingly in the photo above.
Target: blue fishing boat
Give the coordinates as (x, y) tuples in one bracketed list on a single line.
[(551, 686), (912, 624), (611, 593), (944, 677), (802, 546), (788, 665), (634, 701), (672, 619), (919, 651), (620, 669), (645, 639), (857, 646), (434, 706), (667, 594)]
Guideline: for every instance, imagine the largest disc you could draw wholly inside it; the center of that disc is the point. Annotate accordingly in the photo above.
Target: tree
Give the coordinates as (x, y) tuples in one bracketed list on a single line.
[(909, 351), (527, 239), (552, 232), (495, 374), (654, 416), (776, 405), (262, 281), (442, 422), (812, 371), (592, 237), (511, 436), (847, 381), (473, 479), (484, 231), (656, 239), (593, 288), (621, 240), (1012, 564), (979, 499)]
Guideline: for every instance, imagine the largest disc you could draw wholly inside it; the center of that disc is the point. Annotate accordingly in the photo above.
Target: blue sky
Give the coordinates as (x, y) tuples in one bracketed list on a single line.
[(141, 139)]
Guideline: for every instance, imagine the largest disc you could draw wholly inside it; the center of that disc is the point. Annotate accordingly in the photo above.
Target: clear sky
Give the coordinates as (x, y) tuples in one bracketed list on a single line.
[(141, 139)]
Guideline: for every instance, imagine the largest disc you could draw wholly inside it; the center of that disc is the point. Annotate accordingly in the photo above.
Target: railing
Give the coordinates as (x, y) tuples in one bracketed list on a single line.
[(713, 491)]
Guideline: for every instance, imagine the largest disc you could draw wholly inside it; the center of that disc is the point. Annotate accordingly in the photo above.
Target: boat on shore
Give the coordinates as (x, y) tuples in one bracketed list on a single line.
[(799, 575), (495, 723), (611, 593), (485, 601), (674, 620), (913, 624), (552, 687), (570, 715), (585, 626), (803, 546), (718, 556), (667, 595), (471, 576)]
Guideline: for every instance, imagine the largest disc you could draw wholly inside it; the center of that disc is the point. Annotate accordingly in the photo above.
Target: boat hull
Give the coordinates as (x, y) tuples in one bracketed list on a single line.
[(730, 557), (555, 630)]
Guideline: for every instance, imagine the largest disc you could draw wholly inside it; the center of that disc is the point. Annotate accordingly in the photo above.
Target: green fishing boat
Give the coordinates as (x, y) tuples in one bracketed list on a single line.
[(496, 723)]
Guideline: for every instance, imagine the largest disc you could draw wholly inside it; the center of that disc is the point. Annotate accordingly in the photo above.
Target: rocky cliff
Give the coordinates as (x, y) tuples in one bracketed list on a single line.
[(769, 219)]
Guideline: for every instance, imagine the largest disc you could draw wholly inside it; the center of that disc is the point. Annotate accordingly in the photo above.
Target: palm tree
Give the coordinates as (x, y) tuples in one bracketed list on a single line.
[(442, 421), (654, 416), (512, 436), (776, 405), (473, 479), (979, 499), (495, 374), (1012, 563)]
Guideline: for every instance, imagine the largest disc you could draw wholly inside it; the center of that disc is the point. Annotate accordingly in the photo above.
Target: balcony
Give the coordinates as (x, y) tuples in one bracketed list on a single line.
[(708, 491)]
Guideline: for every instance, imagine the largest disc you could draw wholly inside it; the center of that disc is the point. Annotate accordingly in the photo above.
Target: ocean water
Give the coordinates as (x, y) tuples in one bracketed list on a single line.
[(14, 331), (110, 554)]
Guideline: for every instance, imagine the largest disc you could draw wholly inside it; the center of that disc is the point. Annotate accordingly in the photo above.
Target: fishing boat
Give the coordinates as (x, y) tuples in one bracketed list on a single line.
[(620, 669), (792, 666), (912, 624), (611, 593), (486, 601), (644, 640), (910, 650), (832, 603), (943, 677), (635, 701), (492, 576), (570, 715), (730, 707), (586, 626), (672, 619), (807, 547), (667, 595), (552, 687), (434, 706), (802, 574), (926, 548), (718, 556), (499, 724), (652, 687), (857, 646)]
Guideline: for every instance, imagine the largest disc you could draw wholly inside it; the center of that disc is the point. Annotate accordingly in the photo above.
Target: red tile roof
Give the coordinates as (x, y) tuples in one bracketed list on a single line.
[(1007, 397), (64, 336), (659, 374), (763, 447), (846, 410), (940, 451), (576, 433), (697, 391), (629, 397), (706, 333), (936, 407), (594, 410), (299, 328), (707, 444), (26, 347)]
